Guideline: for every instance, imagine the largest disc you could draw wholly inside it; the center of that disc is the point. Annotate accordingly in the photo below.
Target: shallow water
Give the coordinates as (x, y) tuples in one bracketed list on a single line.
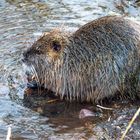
[(21, 23)]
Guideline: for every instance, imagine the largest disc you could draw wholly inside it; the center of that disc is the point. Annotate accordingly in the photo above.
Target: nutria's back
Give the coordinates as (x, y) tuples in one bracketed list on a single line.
[(98, 60)]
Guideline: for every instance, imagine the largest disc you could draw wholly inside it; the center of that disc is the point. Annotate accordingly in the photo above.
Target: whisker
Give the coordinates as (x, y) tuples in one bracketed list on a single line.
[(36, 78)]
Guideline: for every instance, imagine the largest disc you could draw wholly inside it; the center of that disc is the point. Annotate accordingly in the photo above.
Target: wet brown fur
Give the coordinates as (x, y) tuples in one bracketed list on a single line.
[(98, 60)]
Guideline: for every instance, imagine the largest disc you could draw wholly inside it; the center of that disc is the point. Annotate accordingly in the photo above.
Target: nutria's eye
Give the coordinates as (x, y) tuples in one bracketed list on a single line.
[(56, 46)]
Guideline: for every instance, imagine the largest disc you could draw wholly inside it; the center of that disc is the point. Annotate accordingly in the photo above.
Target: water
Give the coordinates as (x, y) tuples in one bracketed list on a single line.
[(21, 23)]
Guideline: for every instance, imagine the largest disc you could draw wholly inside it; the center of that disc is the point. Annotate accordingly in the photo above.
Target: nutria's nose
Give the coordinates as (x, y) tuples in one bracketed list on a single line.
[(24, 56)]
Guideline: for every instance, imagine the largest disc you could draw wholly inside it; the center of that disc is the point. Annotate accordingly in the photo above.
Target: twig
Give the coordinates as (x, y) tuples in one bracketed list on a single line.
[(130, 123), (102, 107), (8, 133)]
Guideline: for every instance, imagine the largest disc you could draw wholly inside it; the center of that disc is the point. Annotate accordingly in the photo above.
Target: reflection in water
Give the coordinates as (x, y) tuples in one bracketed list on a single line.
[(21, 23)]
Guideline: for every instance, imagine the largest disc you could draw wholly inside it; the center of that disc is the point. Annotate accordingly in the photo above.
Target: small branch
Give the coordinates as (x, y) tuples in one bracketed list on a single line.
[(106, 108), (130, 123), (8, 133)]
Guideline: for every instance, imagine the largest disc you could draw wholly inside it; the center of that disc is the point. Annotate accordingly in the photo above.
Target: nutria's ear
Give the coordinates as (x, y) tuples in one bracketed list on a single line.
[(56, 46)]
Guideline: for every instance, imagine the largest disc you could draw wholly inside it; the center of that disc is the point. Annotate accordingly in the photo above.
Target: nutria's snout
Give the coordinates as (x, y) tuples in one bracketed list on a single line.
[(29, 54)]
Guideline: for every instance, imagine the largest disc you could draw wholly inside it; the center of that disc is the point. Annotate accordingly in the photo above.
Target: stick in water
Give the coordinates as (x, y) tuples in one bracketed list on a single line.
[(130, 123), (8, 133)]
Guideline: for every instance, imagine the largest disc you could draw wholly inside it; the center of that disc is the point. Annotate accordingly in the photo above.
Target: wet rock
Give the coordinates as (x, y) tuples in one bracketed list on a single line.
[(86, 113)]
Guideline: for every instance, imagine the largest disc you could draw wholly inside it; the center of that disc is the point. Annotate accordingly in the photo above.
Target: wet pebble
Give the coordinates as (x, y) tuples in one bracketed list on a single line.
[(86, 113)]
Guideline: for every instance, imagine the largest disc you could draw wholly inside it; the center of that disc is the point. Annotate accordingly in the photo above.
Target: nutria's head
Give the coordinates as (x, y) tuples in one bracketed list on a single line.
[(45, 57), (50, 46)]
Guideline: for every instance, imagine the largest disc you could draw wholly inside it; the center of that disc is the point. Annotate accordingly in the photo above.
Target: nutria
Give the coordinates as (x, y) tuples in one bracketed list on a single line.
[(98, 60)]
